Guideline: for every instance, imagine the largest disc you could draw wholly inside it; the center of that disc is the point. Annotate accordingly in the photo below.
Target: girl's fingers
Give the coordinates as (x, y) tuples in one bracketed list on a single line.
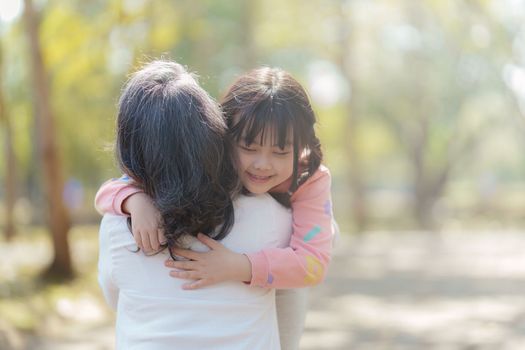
[(195, 285), (146, 243), (186, 253), (138, 240), (154, 240), (183, 265), (210, 242), (186, 275), (161, 237)]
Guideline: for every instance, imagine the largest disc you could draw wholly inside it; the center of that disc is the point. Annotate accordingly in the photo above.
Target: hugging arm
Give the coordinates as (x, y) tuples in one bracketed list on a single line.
[(305, 261), (121, 197), (220, 264), (301, 264), (112, 194)]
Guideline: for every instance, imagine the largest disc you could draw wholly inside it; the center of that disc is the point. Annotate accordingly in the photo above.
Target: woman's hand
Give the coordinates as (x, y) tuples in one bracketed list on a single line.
[(218, 265), (145, 222)]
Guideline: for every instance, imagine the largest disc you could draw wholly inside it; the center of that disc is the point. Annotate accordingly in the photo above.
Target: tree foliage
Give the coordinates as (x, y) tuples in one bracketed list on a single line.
[(419, 93)]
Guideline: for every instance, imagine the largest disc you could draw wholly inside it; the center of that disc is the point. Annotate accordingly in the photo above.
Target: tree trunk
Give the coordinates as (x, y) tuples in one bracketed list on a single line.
[(359, 207), (10, 166), (58, 216), (429, 180)]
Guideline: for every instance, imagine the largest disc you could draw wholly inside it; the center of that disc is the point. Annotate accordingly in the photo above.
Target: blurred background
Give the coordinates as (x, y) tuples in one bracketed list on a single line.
[(421, 108)]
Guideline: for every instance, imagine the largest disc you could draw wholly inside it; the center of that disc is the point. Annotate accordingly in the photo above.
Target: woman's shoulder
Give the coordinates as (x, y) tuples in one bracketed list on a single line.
[(112, 222), (255, 201), (114, 230)]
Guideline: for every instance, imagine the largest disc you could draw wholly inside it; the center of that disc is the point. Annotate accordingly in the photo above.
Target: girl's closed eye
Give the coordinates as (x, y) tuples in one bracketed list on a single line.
[(247, 148), (281, 153), (284, 151)]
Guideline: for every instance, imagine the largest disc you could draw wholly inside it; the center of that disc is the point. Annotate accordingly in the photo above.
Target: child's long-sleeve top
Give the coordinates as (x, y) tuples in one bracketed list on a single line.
[(301, 264)]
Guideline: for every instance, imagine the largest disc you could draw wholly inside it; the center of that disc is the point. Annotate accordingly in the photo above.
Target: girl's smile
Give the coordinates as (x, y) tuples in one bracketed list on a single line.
[(263, 165), (258, 178)]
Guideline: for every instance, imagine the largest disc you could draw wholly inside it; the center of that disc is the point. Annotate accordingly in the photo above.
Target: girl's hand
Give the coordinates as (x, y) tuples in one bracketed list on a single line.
[(145, 222), (218, 265)]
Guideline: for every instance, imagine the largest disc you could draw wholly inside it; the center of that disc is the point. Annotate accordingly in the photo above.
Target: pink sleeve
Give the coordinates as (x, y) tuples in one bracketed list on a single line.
[(304, 262), (112, 194)]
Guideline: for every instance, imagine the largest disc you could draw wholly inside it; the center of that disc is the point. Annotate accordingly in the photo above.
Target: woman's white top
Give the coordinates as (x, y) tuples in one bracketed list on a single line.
[(155, 313)]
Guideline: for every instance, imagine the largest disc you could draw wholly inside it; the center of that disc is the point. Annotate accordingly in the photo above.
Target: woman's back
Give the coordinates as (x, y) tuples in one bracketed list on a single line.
[(153, 311)]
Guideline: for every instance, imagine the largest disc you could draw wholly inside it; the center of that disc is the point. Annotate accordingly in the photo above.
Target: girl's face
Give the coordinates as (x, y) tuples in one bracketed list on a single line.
[(263, 165)]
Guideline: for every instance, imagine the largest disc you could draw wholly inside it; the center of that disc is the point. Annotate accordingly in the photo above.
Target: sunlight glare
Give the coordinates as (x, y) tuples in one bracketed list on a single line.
[(10, 10)]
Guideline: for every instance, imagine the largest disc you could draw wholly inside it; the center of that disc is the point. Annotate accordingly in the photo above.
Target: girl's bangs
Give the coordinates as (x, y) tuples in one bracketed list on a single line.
[(254, 124)]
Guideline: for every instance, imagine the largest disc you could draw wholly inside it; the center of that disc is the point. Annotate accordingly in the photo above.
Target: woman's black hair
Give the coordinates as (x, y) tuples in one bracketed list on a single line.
[(171, 140), (271, 98)]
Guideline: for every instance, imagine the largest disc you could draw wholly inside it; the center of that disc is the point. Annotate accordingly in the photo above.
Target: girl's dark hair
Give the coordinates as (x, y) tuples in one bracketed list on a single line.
[(171, 140), (271, 98)]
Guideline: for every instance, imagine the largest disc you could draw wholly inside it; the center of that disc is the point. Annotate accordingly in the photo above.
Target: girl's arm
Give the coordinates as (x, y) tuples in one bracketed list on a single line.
[(122, 197), (301, 264), (304, 262), (112, 195)]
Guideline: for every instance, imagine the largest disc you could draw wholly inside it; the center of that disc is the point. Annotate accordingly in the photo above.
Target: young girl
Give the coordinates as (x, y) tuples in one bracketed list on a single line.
[(271, 122)]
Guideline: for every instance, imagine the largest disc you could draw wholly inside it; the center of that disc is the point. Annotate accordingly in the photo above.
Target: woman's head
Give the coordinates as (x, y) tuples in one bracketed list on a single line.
[(271, 121), (171, 141)]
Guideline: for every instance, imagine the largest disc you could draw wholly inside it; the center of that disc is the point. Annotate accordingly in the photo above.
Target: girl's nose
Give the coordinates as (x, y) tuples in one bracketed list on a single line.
[(262, 163)]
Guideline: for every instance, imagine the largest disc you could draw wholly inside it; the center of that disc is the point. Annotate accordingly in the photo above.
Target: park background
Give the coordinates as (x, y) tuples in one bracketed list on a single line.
[(421, 109)]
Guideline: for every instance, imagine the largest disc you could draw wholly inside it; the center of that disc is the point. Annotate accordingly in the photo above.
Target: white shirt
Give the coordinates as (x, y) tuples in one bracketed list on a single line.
[(154, 313)]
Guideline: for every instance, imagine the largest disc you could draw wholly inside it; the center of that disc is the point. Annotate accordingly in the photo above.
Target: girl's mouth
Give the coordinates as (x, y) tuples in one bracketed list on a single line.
[(257, 178)]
